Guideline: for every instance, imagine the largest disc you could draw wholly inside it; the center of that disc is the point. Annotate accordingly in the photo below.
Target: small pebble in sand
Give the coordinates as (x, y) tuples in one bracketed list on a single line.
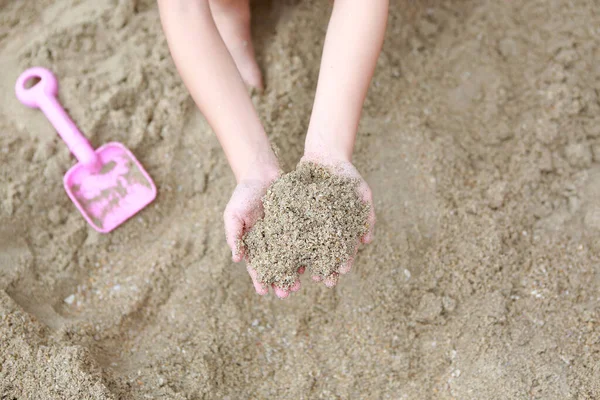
[(313, 219), (70, 299)]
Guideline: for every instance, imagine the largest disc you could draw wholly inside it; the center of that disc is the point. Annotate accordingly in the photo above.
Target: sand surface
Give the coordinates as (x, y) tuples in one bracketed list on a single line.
[(481, 142)]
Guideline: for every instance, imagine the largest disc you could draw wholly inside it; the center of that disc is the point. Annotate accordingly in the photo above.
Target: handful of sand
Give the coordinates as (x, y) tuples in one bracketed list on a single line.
[(313, 218)]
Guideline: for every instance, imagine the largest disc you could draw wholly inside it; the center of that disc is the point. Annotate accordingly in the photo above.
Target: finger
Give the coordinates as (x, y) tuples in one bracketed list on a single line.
[(281, 293), (233, 231), (346, 267), (258, 286), (296, 286), (241, 251), (317, 278), (301, 270), (331, 280)]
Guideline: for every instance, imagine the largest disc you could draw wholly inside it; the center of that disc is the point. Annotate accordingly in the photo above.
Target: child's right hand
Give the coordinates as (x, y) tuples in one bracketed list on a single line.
[(242, 212)]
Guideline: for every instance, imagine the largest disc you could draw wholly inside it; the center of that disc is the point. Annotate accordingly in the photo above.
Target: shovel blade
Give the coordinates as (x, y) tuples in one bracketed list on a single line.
[(115, 193)]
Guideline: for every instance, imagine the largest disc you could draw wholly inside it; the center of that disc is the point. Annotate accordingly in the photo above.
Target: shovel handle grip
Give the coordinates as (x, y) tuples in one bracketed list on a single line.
[(42, 95)]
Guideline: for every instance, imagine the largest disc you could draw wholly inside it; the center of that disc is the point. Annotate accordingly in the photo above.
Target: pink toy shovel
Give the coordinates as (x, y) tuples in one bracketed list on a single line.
[(108, 185)]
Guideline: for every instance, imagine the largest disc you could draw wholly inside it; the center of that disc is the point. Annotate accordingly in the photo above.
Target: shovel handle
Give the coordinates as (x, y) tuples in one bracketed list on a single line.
[(42, 95)]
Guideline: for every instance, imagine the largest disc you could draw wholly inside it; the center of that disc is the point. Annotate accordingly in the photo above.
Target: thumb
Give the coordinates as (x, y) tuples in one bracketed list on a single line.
[(234, 227)]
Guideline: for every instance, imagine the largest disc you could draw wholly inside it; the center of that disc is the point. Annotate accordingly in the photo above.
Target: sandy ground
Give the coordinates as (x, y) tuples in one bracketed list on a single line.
[(480, 139)]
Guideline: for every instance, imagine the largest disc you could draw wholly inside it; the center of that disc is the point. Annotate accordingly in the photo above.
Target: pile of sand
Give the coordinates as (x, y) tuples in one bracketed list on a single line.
[(313, 218)]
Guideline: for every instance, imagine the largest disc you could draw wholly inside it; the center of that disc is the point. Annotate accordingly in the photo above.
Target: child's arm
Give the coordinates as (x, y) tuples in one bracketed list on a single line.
[(352, 46), (216, 86)]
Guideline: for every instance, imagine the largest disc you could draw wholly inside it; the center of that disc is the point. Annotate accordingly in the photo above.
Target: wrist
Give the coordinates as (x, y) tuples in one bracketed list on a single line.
[(262, 168), (318, 149), (329, 140)]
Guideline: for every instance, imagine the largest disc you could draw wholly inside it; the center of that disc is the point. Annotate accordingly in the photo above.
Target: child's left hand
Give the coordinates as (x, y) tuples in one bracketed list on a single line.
[(346, 169)]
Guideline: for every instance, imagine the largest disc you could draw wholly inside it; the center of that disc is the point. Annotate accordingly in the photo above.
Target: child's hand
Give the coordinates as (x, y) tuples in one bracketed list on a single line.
[(345, 168), (242, 212), (354, 39)]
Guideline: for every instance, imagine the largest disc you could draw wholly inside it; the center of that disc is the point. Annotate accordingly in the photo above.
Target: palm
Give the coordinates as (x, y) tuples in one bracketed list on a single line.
[(242, 212)]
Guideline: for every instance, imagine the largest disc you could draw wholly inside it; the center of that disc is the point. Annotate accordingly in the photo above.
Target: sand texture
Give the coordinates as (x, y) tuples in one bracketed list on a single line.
[(314, 218), (480, 139)]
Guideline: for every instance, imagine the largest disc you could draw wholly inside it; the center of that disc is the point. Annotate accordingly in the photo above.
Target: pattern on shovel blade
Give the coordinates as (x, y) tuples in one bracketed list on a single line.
[(115, 193)]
